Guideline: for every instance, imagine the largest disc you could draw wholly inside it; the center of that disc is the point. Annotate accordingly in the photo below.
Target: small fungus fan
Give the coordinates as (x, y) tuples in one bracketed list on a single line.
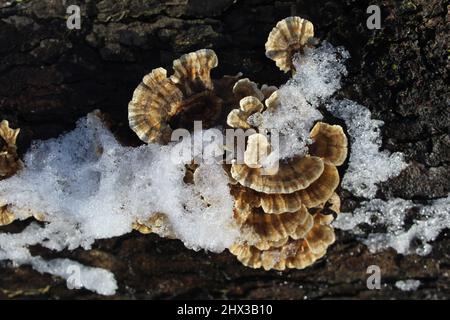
[(288, 37), (161, 103)]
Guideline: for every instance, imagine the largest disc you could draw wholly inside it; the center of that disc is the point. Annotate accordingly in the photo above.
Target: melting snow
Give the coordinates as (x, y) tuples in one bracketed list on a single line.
[(367, 165), (318, 77), (90, 187), (408, 285), (319, 72), (392, 215)]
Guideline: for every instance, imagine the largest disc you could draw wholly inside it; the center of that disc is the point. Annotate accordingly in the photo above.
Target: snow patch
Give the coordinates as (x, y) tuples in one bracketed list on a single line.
[(319, 72), (318, 76), (367, 164), (90, 187), (408, 285), (391, 216)]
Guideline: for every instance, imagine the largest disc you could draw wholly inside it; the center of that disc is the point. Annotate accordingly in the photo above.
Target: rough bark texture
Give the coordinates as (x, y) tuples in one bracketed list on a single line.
[(50, 76)]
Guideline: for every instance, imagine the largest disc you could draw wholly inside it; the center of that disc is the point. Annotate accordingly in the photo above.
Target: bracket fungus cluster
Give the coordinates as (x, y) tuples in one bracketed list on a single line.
[(280, 211), (284, 213)]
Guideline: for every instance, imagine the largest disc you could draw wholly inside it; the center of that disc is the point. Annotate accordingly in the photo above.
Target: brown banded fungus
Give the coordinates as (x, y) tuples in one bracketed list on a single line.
[(6, 216), (300, 195), (292, 175), (246, 117), (238, 118), (158, 223), (162, 103), (262, 230), (251, 99), (283, 212), (330, 143), (9, 160), (285, 216), (9, 163), (318, 192), (288, 37), (245, 88), (291, 252), (268, 90)]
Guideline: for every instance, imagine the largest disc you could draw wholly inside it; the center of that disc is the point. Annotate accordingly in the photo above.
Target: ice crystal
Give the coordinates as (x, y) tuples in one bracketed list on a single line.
[(391, 216), (90, 187), (367, 164), (318, 76), (408, 285)]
